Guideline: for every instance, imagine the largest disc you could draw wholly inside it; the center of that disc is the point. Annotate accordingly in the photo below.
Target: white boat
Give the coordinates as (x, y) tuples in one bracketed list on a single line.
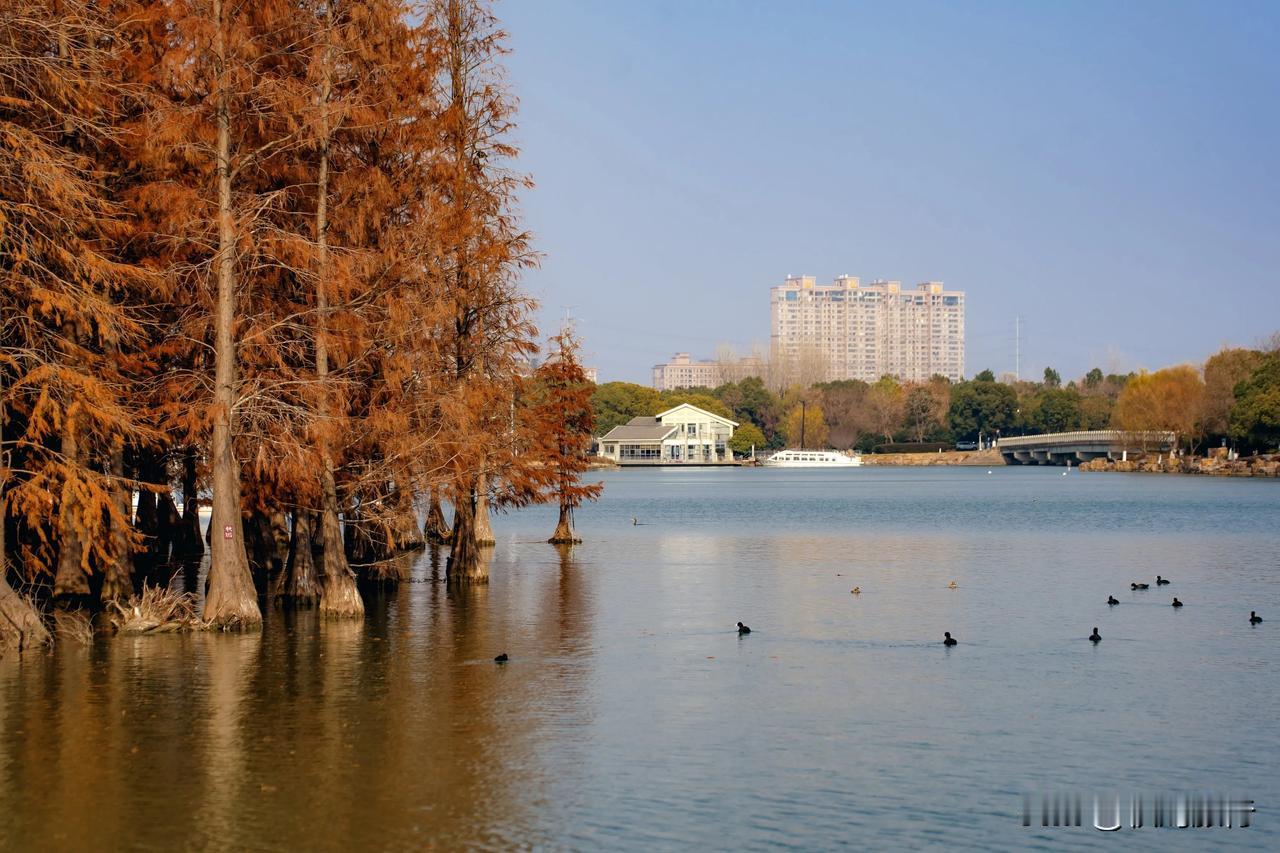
[(812, 459)]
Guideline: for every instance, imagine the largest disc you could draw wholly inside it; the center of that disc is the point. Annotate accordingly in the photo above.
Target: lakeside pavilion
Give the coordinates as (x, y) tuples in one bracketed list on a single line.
[(684, 434)]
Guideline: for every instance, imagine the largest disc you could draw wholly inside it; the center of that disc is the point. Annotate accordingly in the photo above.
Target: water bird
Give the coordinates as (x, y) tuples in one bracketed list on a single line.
[(502, 658), (1254, 618), (1139, 586), (634, 520), (950, 640), (743, 629), (1162, 581), (988, 470), (1111, 599), (1095, 637), (1176, 602), (951, 585), (857, 590)]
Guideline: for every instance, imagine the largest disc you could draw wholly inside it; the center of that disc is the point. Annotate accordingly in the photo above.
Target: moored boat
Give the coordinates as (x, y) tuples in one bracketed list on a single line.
[(813, 459)]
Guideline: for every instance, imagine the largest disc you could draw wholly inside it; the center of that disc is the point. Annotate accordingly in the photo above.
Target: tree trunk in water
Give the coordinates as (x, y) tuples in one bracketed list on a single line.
[(564, 530), (436, 529), (464, 565), (300, 585), (190, 544), (71, 581), (117, 575), (148, 517), (20, 625), (261, 547), (231, 600), (339, 596), (405, 530), (168, 529), (484, 530)]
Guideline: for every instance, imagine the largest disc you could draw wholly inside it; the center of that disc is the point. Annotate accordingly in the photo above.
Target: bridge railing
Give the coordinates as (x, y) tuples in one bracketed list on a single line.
[(1115, 437)]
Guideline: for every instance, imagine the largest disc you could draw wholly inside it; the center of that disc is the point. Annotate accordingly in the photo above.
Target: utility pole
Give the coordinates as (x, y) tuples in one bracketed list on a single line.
[(1017, 347)]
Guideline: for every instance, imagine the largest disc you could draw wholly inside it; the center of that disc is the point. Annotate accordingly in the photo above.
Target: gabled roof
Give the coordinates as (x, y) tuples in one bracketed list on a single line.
[(640, 429), (712, 415)]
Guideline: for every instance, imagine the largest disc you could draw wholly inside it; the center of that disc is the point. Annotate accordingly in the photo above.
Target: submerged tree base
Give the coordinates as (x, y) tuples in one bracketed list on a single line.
[(341, 599), (474, 570), (225, 615), (564, 531), (392, 570)]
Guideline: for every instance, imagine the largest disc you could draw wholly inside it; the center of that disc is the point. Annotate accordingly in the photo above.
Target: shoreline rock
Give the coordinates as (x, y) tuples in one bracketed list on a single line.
[(988, 458), (1215, 465)]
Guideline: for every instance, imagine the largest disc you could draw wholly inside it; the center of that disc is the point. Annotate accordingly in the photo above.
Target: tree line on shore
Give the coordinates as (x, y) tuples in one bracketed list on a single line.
[(268, 253), (1233, 397)]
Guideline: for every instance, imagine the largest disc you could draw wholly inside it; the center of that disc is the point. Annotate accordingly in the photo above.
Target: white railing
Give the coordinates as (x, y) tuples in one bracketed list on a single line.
[(1116, 437)]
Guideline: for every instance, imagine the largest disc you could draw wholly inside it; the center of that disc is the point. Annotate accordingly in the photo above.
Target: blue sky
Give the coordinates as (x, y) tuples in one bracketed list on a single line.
[(1108, 171)]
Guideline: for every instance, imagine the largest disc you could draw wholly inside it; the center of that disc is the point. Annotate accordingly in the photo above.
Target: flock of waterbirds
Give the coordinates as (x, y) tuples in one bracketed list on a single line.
[(1095, 637), (948, 640)]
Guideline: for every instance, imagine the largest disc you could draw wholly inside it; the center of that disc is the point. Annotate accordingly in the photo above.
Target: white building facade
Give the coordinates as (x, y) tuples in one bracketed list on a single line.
[(683, 372), (857, 331), (681, 435)]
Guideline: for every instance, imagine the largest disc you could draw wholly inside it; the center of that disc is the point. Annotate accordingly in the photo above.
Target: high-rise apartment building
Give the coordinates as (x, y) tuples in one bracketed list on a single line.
[(848, 330)]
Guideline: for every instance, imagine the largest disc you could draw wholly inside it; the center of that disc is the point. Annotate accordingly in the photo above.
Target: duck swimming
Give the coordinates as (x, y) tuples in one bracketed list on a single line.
[(857, 590), (951, 585), (1111, 599), (1162, 581), (1095, 637), (743, 629), (1139, 586), (502, 658), (1176, 602), (1254, 618), (950, 640)]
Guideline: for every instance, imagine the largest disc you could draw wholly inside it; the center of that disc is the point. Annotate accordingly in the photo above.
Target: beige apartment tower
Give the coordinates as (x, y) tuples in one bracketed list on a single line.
[(848, 330)]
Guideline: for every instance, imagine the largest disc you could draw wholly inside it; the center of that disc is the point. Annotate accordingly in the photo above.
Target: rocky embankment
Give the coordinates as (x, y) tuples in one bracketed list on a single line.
[(1215, 465), (951, 457)]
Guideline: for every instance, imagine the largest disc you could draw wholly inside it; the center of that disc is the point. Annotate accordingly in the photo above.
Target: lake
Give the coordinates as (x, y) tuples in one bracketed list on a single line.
[(633, 716)]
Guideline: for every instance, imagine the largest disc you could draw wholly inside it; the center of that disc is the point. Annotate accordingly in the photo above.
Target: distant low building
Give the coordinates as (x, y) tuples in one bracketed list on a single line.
[(683, 372), (682, 435)]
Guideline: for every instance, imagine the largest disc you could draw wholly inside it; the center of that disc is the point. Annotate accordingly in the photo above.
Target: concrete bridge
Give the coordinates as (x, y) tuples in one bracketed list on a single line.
[(1061, 448)]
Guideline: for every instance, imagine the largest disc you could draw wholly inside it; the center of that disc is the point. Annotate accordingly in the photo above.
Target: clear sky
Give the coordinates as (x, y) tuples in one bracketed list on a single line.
[(1108, 171)]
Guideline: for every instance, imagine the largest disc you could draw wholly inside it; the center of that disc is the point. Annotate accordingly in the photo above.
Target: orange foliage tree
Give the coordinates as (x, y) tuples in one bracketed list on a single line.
[(565, 422), (65, 295), (270, 251), (1171, 399)]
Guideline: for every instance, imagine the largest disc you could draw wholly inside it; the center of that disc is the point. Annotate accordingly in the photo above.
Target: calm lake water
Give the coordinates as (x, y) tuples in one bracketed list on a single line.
[(632, 715)]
